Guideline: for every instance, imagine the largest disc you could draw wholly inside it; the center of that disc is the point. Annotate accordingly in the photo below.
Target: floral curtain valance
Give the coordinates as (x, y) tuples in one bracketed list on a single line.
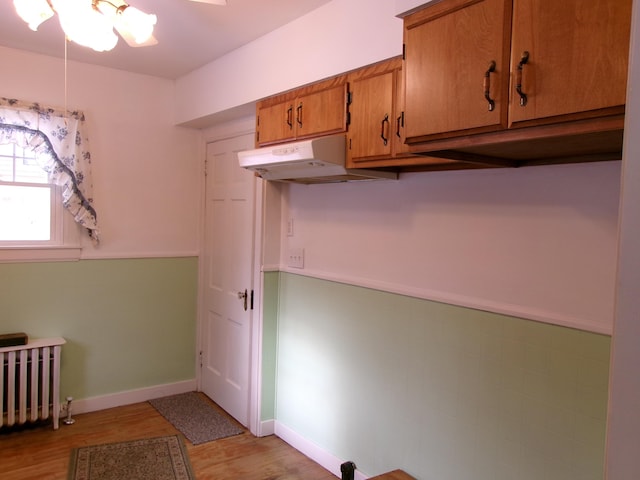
[(63, 137)]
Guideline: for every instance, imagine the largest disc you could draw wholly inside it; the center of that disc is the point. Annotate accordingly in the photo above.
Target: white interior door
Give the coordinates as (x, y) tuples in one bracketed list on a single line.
[(228, 277)]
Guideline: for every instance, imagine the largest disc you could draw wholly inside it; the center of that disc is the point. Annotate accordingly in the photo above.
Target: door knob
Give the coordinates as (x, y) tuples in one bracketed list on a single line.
[(243, 296)]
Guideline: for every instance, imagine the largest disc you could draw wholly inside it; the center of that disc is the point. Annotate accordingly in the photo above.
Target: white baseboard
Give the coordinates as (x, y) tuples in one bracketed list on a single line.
[(313, 451), (266, 428), (93, 404)]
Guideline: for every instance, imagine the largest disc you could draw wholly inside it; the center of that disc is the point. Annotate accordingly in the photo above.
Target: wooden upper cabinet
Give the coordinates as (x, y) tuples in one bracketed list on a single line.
[(577, 59), (322, 112), (372, 114), (275, 123), (566, 59), (455, 51), (482, 83), (314, 110), (376, 130)]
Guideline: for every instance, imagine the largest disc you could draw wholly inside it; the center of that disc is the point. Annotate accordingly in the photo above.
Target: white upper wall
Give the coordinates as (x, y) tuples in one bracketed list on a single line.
[(337, 37), (534, 242), (405, 6), (146, 171)]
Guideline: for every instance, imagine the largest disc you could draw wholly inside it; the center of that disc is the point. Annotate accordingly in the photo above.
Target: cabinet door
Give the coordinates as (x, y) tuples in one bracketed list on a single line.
[(322, 112), (372, 124), (400, 147), (578, 53), (450, 48), (275, 123)]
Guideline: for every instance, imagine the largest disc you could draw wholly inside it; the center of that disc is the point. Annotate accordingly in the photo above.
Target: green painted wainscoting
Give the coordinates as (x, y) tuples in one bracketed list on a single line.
[(129, 324), (271, 284), (444, 392)]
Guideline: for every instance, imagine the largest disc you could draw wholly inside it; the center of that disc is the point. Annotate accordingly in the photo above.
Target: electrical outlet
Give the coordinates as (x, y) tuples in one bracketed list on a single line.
[(296, 257), (290, 227)]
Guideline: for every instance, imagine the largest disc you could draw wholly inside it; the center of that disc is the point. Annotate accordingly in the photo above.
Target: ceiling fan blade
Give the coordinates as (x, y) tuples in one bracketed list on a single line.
[(131, 41), (211, 2)]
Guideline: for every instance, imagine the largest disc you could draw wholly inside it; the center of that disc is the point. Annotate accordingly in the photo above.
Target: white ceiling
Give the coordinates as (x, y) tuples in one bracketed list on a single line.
[(189, 34)]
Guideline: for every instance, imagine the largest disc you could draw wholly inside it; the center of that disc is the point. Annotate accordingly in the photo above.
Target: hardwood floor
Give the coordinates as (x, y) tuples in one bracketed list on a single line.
[(43, 454)]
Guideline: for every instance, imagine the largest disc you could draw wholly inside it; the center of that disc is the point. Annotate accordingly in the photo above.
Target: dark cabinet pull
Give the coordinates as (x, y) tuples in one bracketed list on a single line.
[(384, 120), (290, 117), (487, 85), (299, 114), (399, 123), (523, 61)]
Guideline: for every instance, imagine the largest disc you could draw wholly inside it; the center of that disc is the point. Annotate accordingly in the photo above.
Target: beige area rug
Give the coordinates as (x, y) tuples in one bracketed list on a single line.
[(162, 458), (197, 419)]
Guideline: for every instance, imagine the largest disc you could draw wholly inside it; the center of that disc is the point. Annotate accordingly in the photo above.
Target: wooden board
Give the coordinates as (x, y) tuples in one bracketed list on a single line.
[(395, 475)]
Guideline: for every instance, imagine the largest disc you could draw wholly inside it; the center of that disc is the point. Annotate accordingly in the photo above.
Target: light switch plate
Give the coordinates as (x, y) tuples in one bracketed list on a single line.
[(296, 257)]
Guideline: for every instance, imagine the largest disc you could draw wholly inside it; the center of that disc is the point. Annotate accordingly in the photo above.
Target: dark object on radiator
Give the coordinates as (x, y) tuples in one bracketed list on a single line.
[(348, 469), (13, 339)]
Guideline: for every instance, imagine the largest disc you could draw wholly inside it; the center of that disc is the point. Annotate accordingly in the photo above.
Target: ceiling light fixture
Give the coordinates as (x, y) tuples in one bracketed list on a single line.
[(91, 22)]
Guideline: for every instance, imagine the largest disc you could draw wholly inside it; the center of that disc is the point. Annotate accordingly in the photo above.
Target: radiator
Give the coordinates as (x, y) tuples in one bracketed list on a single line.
[(30, 379)]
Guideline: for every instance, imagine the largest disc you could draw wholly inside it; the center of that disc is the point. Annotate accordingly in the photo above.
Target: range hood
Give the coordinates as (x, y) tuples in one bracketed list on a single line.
[(317, 160)]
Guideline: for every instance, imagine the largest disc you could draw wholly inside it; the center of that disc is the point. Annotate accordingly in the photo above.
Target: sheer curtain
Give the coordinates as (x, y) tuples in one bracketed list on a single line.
[(63, 137)]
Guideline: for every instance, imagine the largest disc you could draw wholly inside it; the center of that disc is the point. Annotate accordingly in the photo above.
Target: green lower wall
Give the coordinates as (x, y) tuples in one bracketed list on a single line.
[(444, 392), (384, 380), (271, 284), (129, 324)]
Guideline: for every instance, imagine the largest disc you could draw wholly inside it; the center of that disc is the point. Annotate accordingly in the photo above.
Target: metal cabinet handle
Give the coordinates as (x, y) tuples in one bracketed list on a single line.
[(487, 85), (384, 120), (399, 123), (299, 114), (290, 117), (524, 59), (243, 296)]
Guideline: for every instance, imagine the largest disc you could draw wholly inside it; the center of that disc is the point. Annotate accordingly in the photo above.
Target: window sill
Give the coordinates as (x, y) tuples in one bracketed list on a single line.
[(39, 254)]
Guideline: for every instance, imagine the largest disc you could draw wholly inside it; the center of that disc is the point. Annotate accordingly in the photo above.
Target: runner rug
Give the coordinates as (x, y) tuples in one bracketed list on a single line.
[(195, 416), (162, 458)]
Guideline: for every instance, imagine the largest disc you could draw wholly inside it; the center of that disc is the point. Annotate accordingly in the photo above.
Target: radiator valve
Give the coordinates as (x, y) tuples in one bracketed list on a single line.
[(69, 420)]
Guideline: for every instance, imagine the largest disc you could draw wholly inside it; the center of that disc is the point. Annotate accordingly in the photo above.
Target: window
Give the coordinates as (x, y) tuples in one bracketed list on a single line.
[(31, 211), (46, 197), (26, 199)]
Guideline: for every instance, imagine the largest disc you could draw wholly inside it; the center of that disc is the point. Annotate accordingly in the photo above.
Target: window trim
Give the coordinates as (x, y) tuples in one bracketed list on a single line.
[(39, 254), (64, 245)]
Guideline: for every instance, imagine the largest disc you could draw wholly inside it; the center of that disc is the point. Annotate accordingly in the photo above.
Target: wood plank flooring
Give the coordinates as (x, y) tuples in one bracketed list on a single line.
[(43, 454)]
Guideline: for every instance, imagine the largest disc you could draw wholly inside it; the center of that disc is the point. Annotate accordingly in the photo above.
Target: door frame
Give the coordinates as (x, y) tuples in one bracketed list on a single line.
[(223, 132)]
